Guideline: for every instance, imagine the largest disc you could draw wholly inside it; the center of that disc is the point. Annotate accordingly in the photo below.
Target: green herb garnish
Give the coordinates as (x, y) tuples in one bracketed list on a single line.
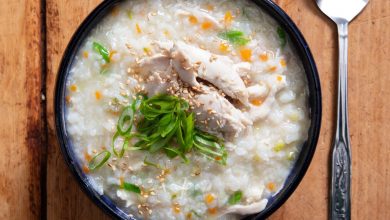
[(235, 197), (148, 163), (99, 160), (102, 51), (235, 37), (131, 187), (166, 125), (129, 14), (282, 36)]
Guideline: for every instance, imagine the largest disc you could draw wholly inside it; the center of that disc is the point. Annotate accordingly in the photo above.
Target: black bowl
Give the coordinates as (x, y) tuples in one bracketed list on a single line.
[(304, 157)]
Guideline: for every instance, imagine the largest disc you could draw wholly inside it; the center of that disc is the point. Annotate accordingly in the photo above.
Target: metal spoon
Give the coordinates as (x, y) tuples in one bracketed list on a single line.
[(341, 12)]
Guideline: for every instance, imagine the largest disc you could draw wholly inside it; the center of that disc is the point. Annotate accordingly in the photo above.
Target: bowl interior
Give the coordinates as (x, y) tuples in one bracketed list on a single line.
[(304, 158)]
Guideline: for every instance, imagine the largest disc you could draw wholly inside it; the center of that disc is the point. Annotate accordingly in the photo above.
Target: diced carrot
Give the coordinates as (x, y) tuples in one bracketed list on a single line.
[(271, 186), (73, 88), (279, 78), (98, 95), (224, 47), (209, 198), (218, 158), (228, 18), (87, 157), (272, 69), (283, 62), (213, 211), (192, 19), (85, 54), (246, 54), (207, 25), (138, 28), (264, 57), (85, 169), (257, 101)]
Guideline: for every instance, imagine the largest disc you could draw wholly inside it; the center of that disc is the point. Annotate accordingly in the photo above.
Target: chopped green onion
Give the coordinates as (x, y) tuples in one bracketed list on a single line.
[(235, 37), (282, 36), (102, 51), (148, 163), (165, 124), (99, 160), (279, 146), (129, 14), (131, 187), (125, 122), (124, 147), (235, 197)]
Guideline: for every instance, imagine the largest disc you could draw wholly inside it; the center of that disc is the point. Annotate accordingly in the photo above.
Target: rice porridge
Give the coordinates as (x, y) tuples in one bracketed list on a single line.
[(187, 109)]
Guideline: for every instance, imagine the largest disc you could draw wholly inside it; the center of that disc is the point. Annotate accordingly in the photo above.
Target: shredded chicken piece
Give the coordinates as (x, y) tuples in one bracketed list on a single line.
[(191, 62), (217, 115), (259, 112), (252, 208)]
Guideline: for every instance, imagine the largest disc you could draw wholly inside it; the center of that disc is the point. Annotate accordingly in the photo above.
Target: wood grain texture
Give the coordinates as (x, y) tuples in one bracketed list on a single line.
[(65, 198), (21, 130), (369, 63)]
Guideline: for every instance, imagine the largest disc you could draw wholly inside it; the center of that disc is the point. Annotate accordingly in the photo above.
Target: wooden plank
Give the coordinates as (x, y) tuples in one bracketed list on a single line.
[(21, 130), (369, 112), (65, 199)]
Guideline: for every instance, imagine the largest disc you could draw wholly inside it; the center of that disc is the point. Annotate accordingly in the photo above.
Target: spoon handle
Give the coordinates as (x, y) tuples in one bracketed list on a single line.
[(340, 202)]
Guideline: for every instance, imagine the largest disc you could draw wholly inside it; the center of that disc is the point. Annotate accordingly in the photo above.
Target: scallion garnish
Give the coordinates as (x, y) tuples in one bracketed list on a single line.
[(235, 37), (165, 125), (148, 163), (131, 187), (99, 160), (102, 51), (235, 197)]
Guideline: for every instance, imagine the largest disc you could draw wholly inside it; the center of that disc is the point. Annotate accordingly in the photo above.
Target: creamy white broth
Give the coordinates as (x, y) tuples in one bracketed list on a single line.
[(259, 159)]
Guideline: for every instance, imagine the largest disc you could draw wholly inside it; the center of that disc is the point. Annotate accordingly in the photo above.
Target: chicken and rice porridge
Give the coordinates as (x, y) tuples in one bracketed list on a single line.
[(187, 109)]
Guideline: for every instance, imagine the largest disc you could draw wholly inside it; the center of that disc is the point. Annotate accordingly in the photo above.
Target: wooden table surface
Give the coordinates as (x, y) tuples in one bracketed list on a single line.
[(36, 184)]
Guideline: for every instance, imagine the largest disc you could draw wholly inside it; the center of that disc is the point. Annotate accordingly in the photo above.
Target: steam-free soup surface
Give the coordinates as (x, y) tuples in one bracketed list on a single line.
[(224, 66)]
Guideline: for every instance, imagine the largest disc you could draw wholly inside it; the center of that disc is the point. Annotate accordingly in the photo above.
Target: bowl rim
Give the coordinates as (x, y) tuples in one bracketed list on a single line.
[(305, 156)]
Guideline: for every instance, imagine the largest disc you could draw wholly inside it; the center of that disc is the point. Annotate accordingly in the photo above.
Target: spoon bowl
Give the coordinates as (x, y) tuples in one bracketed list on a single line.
[(341, 10)]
